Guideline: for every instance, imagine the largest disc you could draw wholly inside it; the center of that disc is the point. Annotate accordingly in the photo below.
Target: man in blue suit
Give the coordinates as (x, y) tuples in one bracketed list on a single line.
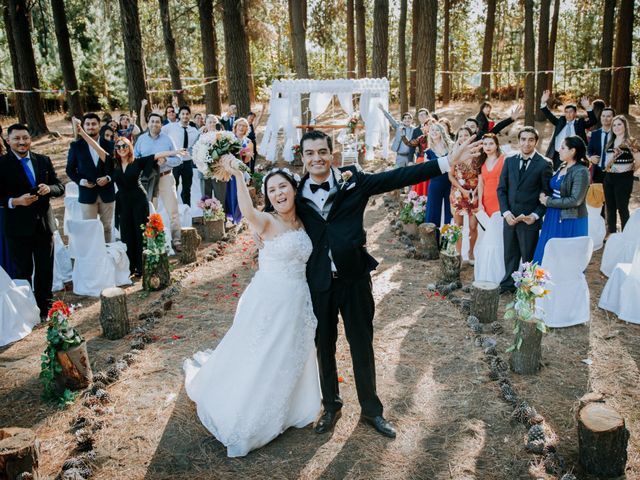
[(96, 192), (597, 144)]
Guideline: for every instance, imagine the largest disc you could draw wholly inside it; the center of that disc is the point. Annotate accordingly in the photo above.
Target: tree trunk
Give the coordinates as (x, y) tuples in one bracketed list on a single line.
[(602, 440), (415, 21), (487, 49), (449, 268), (543, 54), (210, 56), (66, 58), (446, 59), (526, 360), (170, 49), (247, 47), (361, 39), (159, 278), (624, 42), (133, 54), (236, 56), (297, 21), (213, 231), (428, 245), (380, 57), (190, 240), (529, 65), (607, 49), (485, 297), (553, 37), (19, 452), (351, 42), (76, 369), (114, 317), (26, 66), (17, 81), (402, 57), (426, 70)]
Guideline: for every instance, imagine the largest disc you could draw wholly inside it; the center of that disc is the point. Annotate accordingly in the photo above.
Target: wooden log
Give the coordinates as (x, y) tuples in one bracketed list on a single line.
[(114, 317), (485, 297), (76, 370), (190, 239), (602, 440), (449, 267), (428, 245), (526, 360), (213, 230), (159, 277), (19, 453)]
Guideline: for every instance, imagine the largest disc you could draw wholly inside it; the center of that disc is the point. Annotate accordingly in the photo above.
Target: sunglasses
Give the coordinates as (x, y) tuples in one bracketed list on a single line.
[(122, 146)]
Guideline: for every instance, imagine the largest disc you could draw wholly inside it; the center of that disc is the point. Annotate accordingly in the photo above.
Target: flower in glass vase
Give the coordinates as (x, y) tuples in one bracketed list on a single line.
[(413, 208), (212, 209), (450, 233)]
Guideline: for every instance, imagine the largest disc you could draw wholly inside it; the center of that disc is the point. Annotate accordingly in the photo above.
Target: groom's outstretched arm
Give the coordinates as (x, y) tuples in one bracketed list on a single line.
[(375, 183)]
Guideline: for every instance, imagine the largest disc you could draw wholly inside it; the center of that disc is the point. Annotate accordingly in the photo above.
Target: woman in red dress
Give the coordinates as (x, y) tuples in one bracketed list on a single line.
[(491, 161)]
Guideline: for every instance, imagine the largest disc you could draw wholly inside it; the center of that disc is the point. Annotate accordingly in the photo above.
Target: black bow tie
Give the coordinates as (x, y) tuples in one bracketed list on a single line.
[(323, 185)]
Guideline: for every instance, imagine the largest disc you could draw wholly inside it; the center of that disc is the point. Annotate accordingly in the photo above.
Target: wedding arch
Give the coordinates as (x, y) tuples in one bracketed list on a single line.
[(285, 111)]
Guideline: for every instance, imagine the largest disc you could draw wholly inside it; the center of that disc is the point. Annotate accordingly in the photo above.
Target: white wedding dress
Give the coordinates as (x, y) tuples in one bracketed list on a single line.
[(262, 378)]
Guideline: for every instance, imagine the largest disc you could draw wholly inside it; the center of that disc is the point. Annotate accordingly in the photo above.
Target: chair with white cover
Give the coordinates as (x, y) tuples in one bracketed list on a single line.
[(489, 251), (567, 302), (621, 294), (72, 209), (186, 217), (597, 227), (96, 266), (620, 247), (196, 195), (62, 267), (19, 312)]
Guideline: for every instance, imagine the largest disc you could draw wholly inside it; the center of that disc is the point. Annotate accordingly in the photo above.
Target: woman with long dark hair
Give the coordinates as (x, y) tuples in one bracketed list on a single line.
[(566, 214), (491, 163)]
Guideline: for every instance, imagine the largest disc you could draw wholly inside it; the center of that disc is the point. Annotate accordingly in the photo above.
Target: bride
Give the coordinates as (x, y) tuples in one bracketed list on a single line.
[(262, 378)]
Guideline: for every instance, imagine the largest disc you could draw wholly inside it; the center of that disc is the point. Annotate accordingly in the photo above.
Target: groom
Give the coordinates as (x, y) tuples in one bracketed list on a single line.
[(331, 203)]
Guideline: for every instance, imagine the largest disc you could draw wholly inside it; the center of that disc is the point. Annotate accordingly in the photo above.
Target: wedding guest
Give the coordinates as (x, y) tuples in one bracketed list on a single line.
[(566, 125), (523, 178), (160, 182), (107, 138), (622, 159), (170, 115), (598, 143), (228, 118), (211, 187), (491, 162), (485, 125), (127, 126), (211, 124), (448, 127), (96, 193), (254, 141), (198, 121), (566, 214), (240, 130), (440, 146), (185, 136), (598, 106), (132, 204), (27, 183), (404, 152), (423, 117), (422, 143)]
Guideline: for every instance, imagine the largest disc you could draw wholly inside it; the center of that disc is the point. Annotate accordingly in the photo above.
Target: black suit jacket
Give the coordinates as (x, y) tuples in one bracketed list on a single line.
[(80, 165), (343, 232), (226, 123), (23, 221), (595, 147), (580, 126), (522, 195)]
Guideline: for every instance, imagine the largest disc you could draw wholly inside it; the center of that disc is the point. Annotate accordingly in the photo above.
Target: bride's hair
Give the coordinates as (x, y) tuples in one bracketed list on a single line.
[(293, 179)]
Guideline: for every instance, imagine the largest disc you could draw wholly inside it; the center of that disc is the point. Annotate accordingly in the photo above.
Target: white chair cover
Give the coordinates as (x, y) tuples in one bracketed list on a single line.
[(186, 218), (597, 227), (72, 209), (567, 303), (18, 310), (620, 247), (489, 251), (94, 268), (621, 294), (62, 268)]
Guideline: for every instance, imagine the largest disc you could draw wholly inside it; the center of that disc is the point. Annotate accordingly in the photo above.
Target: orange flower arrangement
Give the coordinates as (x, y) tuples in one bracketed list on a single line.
[(59, 306), (155, 220)]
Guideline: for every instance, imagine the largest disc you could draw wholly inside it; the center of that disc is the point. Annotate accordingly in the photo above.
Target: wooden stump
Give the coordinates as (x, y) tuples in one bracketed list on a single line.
[(410, 229), (190, 239), (19, 453), (449, 267), (602, 440), (485, 297), (526, 360), (427, 233), (114, 318), (76, 370), (159, 277), (214, 230)]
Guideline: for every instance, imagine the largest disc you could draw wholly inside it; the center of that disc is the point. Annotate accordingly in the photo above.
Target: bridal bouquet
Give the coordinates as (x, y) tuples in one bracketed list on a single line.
[(413, 209), (450, 233), (210, 148), (211, 209)]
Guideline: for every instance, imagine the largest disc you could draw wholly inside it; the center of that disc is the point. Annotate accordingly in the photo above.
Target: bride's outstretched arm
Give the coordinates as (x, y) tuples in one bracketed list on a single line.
[(257, 219)]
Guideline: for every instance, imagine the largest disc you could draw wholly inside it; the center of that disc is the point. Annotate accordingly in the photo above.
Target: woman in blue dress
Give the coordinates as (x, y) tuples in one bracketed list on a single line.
[(439, 187), (240, 130), (566, 214)]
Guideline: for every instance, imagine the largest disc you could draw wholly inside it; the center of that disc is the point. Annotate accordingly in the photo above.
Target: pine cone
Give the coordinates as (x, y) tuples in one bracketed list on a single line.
[(25, 476), (113, 373), (465, 305), (84, 440), (554, 463), (97, 386), (110, 359), (497, 328), (569, 476), (100, 377), (129, 358), (508, 393), (479, 340), (467, 288), (103, 396), (523, 413), (476, 328), (75, 462), (535, 447), (499, 364), (472, 320), (489, 342), (491, 351), (122, 365), (137, 344), (536, 433)]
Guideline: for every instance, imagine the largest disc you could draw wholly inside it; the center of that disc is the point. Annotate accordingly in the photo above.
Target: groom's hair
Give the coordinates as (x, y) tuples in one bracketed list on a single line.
[(315, 135)]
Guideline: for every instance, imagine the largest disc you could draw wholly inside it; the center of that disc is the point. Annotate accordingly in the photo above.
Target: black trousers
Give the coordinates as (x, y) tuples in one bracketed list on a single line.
[(617, 192), (519, 243), (184, 171), (354, 301), (27, 252), (134, 211)]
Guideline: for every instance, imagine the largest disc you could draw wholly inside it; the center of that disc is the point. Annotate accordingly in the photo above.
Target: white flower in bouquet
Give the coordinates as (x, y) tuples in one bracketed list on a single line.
[(209, 150)]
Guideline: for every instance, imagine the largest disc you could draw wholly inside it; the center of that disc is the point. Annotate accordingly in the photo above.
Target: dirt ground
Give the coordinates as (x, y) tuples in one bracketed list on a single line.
[(432, 379)]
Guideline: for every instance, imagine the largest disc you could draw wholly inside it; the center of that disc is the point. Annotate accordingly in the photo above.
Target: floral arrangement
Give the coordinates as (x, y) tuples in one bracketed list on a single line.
[(413, 208), (154, 242), (210, 148), (353, 122), (295, 150), (450, 233), (257, 177), (60, 338), (530, 281), (362, 149), (212, 209)]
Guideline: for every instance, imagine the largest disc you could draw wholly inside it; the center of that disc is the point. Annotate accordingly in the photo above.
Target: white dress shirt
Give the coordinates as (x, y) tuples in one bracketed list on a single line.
[(176, 133), (568, 131), (319, 198)]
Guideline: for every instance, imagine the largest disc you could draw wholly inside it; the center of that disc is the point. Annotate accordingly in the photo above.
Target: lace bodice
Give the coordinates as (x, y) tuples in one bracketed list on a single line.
[(286, 254)]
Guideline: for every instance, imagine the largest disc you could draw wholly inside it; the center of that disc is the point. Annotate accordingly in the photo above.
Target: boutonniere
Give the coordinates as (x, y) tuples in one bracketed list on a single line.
[(344, 180)]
